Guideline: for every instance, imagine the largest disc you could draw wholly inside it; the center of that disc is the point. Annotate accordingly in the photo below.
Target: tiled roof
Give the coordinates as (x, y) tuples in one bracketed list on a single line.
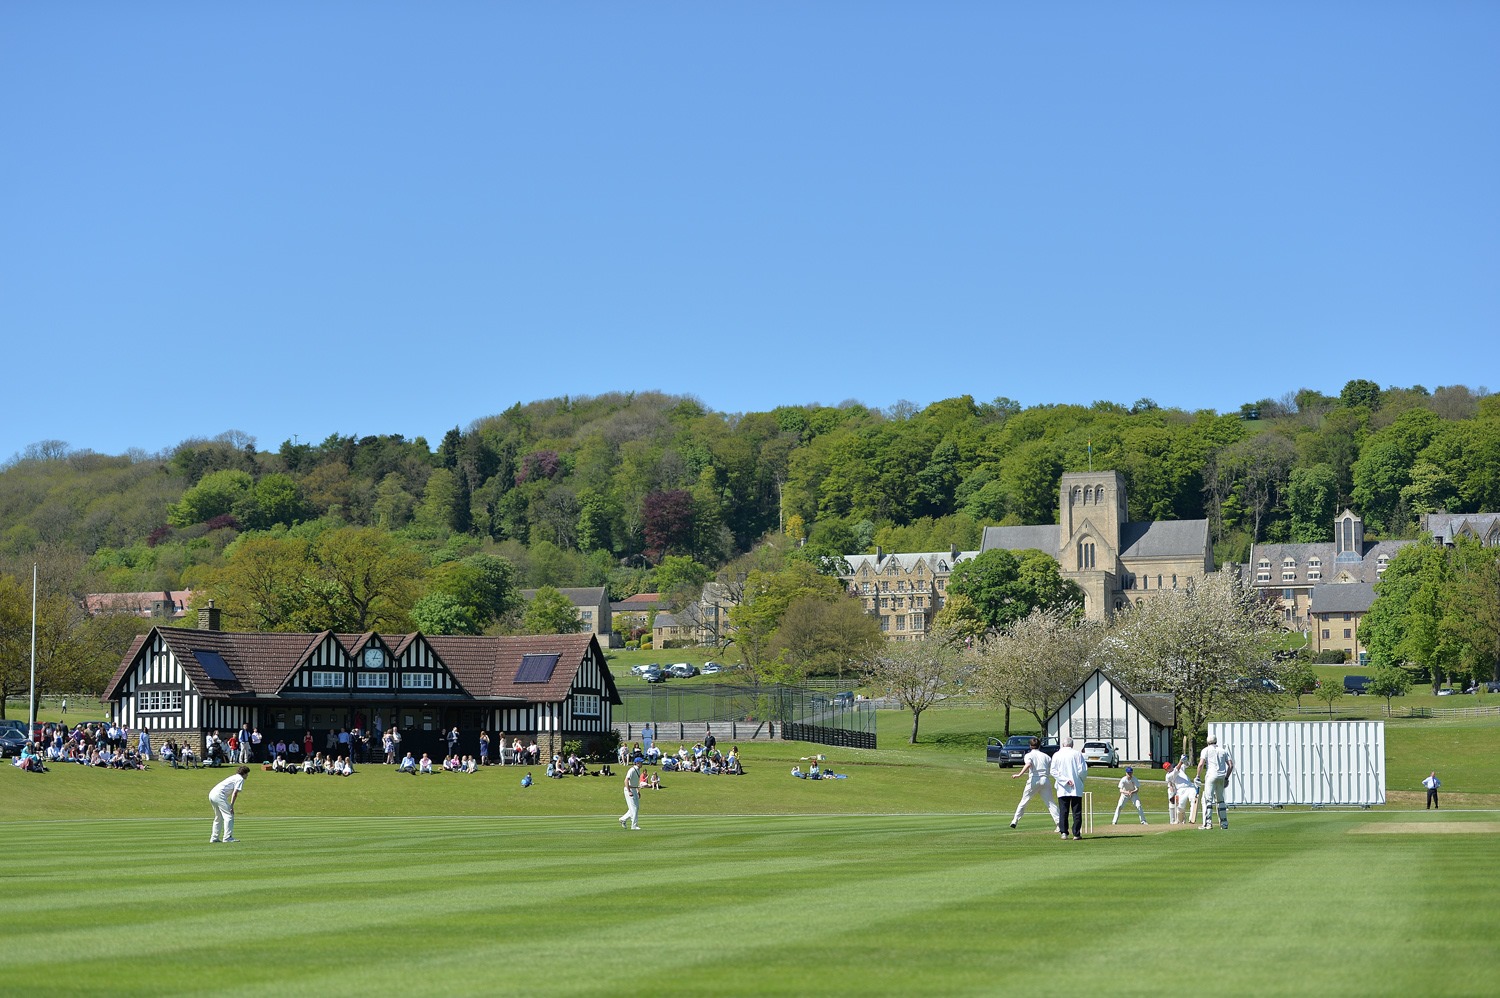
[(263, 661), (1164, 539), (1041, 537), (1348, 597)]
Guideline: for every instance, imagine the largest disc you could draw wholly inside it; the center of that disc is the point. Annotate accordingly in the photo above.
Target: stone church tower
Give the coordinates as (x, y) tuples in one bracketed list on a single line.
[(1091, 511)]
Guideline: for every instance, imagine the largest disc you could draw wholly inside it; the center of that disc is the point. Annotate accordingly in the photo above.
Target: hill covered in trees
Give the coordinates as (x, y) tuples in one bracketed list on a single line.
[(638, 491)]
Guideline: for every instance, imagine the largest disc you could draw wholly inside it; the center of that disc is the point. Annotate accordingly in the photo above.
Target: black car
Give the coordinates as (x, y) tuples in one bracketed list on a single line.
[(12, 738), (1012, 751)]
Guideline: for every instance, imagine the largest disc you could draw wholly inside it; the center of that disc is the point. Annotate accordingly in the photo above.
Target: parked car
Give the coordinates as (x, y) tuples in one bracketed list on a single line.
[(844, 699), (683, 670), (12, 738), (1010, 752), (656, 676), (1356, 684), (1100, 754), (712, 668)]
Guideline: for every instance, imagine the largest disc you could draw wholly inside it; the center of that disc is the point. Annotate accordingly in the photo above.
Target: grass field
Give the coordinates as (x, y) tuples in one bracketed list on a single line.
[(902, 879)]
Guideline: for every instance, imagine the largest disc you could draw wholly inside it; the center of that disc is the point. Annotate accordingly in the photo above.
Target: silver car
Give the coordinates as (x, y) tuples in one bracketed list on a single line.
[(1100, 754)]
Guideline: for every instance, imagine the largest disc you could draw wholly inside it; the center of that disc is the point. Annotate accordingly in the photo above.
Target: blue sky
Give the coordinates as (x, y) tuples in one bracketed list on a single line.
[(363, 217)]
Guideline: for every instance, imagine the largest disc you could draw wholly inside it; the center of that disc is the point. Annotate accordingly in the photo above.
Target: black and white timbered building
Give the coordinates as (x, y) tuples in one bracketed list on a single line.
[(180, 683)]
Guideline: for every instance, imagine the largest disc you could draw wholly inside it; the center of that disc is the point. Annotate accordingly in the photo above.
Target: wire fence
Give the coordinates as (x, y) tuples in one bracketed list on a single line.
[(823, 715)]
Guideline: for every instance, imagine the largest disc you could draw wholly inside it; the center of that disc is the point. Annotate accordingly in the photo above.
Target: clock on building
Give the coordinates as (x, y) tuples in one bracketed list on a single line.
[(374, 658)]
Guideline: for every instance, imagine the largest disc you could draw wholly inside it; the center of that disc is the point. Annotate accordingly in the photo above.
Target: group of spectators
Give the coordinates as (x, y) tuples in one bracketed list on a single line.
[(703, 757), (574, 766), (104, 746), (316, 763)]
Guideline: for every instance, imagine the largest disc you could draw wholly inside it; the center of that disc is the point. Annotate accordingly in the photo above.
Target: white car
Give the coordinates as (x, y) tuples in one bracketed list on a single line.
[(712, 668), (1100, 754), (683, 670)]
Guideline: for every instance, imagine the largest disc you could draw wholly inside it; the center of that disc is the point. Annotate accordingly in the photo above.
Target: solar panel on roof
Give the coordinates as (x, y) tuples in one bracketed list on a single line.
[(213, 663), (536, 668)]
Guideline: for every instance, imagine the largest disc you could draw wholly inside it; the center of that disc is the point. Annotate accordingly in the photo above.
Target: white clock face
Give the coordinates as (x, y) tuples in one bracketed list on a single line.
[(374, 658)]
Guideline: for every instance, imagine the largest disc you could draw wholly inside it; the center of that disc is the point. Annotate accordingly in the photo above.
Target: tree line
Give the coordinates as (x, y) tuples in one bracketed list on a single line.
[(644, 492)]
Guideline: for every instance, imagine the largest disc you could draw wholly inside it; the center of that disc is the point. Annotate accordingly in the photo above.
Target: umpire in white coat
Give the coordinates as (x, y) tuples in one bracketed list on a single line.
[(1069, 771)]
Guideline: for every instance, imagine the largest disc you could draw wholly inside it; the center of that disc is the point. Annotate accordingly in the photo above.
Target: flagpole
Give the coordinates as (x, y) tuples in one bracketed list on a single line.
[(31, 731)]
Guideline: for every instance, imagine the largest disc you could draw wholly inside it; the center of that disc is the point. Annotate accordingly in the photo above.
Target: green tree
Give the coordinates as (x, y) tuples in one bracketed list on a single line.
[(820, 636), (215, 495), (1402, 626), (440, 613), (1312, 500), (1330, 692), (1001, 587), (262, 584), (766, 595), (363, 580), (550, 612), (1299, 678), (1389, 681)]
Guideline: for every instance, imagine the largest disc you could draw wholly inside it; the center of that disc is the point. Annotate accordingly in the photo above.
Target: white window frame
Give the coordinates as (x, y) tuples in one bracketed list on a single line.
[(373, 680), (418, 681), (325, 680)]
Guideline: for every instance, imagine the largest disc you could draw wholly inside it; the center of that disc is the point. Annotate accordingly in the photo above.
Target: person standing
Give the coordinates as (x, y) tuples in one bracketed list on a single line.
[(1217, 762), (256, 738), (484, 748), (1130, 791), (453, 740), (1432, 783), (65, 705), (1069, 771), (1038, 768), (222, 797), (632, 797)]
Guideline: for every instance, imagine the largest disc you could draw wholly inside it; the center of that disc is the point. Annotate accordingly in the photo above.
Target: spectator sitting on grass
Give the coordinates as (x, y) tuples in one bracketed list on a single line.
[(408, 764), (424, 764)]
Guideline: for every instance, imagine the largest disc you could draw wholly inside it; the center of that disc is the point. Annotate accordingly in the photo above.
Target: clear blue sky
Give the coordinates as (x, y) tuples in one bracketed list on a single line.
[(365, 217)]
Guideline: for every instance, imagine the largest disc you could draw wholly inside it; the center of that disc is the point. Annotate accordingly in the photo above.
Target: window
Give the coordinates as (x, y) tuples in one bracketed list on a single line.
[(328, 680), (1325, 633), (915, 620), (1290, 594), (416, 680), (885, 623), (1158, 582), (1313, 574), (374, 680), (1085, 555), (1347, 633), (865, 588), (898, 603), (586, 705), (1174, 580), (1290, 576), (885, 602), (901, 586), (158, 700), (885, 586), (901, 622), (1348, 616), (1262, 575)]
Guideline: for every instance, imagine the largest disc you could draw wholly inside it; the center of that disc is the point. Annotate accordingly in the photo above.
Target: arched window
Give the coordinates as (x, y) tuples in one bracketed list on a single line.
[(1088, 495)]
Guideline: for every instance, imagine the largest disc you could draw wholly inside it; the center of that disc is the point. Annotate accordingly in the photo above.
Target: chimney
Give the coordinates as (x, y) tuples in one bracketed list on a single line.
[(208, 617), (952, 553), (879, 554)]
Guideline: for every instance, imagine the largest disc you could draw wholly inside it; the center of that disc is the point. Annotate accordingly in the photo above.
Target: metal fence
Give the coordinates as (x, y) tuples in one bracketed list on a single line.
[(796, 713)]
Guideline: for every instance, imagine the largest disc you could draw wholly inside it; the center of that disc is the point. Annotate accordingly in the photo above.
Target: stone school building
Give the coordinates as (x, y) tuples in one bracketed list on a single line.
[(181, 684)]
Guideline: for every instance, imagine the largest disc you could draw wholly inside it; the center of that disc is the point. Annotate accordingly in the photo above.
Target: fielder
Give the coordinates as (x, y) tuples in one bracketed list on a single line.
[(222, 797), (1038, 767), (631, 818), (1219, 765), (1130, 791)]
